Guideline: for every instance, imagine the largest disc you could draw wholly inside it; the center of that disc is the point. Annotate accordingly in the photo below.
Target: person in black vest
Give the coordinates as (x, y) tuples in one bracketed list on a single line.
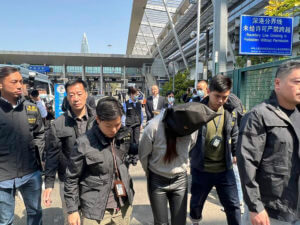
[(134, 115), (21, 145)]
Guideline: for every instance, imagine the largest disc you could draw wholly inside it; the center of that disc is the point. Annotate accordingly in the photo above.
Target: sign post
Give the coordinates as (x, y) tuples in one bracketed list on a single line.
[(60, 93), (265, 35)]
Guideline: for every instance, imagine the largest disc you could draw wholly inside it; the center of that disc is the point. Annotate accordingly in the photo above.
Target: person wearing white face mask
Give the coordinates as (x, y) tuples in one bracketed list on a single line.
[(134, 115), (171, 99), (201, 91)]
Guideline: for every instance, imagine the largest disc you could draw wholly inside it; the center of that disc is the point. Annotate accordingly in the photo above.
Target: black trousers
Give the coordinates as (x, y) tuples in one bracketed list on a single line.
[(164, 190), (136, 130)]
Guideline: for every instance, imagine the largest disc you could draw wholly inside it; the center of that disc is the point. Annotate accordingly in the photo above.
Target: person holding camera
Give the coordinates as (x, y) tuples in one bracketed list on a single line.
[(35, 97), (21, 137), (213, 155)]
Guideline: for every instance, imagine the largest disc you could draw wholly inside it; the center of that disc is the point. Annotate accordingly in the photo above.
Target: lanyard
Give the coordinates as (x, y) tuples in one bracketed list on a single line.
[(112, 145), (218, 124)]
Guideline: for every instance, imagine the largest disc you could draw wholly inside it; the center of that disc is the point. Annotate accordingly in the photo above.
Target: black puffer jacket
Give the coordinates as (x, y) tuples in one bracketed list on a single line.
[(21, 139), (90, 172), (59, 143), (268, 160)]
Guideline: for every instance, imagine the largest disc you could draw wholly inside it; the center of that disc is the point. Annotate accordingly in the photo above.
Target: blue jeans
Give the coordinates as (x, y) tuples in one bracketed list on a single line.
[(238, 182), (203, 182), (31, 193)]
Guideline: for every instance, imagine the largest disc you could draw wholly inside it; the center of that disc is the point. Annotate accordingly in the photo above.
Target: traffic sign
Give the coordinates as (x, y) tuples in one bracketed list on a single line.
[(265, 35)]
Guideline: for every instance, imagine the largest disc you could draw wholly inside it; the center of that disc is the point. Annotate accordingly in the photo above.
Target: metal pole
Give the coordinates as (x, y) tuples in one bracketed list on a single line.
[(175, 35), (158, 48), (198, 40), (124, 74), (101, 80), (149, 51), (205, 68), (220, 36)]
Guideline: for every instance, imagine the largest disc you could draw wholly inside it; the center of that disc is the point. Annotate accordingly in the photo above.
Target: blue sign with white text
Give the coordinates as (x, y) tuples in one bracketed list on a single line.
[(40, 69), (59, 93), (265, 35)]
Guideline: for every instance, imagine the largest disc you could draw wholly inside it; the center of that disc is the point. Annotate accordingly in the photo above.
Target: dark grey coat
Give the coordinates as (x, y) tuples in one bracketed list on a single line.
[(90, 171), (269, 169), (59, 143)]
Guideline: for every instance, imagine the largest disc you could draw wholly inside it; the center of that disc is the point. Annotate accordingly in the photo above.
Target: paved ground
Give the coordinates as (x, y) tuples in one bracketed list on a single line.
[(142, 214)]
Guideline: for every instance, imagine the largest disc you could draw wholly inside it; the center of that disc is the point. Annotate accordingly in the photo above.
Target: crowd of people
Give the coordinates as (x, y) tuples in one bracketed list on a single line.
[(251, 158)]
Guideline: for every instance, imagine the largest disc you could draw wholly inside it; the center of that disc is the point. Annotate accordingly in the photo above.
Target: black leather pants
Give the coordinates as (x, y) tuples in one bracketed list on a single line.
[(162, 190)]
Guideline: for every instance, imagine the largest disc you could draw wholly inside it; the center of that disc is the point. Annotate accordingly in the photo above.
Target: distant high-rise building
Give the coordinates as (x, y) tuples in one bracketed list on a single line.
[(84, 44)]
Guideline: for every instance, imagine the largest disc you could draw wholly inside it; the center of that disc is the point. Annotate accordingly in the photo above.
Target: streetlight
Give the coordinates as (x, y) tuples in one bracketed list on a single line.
[(198, 37)]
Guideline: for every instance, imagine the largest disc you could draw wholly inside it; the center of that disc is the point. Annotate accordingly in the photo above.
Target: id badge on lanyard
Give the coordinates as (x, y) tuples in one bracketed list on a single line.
[(216, 141), (118, 183)]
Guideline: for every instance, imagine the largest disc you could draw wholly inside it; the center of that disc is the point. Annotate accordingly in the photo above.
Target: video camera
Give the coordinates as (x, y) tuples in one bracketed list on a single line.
[(31, 84)]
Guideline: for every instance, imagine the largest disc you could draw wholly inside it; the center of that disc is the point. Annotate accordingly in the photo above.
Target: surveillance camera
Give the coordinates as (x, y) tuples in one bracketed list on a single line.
[(193, 34)]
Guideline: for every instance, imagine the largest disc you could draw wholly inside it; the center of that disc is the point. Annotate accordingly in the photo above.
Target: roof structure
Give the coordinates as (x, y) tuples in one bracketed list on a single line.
[(73, 59), (148, 19)]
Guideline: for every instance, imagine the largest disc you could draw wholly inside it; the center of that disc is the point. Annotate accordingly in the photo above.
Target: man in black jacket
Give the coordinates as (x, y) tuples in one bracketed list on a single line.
[(21, 139), (154, 103), (97, 178), (78, 118), (268, 152), (213, 155)]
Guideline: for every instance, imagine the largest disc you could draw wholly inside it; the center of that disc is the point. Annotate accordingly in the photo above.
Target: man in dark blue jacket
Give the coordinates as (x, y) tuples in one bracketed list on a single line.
[(21, 139), (211, 158)]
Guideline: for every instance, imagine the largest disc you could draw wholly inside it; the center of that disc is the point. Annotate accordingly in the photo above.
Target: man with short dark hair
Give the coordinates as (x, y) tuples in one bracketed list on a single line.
[(60, 141), (268, 152), (211, 158), (21, 137)]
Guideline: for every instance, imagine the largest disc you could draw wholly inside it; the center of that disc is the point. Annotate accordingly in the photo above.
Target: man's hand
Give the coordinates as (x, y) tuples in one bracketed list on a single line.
[(46, 197), (74, 218), (261, 218), (234, 160)]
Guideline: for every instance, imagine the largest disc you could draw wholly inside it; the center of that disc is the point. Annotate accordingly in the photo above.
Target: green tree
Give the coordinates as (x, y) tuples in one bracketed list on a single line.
[(282, 7), (182, 82)]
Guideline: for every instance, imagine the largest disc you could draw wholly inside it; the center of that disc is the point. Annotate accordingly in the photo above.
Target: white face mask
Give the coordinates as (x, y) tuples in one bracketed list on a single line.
[(171, 99)]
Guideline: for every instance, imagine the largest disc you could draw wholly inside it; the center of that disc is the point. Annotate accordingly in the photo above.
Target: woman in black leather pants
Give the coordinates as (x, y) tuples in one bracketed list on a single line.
[(164, 156)]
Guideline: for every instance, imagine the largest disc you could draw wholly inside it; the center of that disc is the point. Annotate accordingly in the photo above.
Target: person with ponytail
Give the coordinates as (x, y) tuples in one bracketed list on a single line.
[(164, 152)]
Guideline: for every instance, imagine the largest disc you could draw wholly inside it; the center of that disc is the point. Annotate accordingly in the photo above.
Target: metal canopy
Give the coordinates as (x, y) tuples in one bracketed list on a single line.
[(140, 38), (74, 59)]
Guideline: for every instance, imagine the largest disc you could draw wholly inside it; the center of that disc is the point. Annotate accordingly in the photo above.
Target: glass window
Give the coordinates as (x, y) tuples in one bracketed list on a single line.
[(74, 69)]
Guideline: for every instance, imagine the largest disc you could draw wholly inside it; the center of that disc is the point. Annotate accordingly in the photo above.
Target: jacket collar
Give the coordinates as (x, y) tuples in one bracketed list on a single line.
[(122, 133), (8, 106), (100, 136), (91, 112), (272, 104)]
